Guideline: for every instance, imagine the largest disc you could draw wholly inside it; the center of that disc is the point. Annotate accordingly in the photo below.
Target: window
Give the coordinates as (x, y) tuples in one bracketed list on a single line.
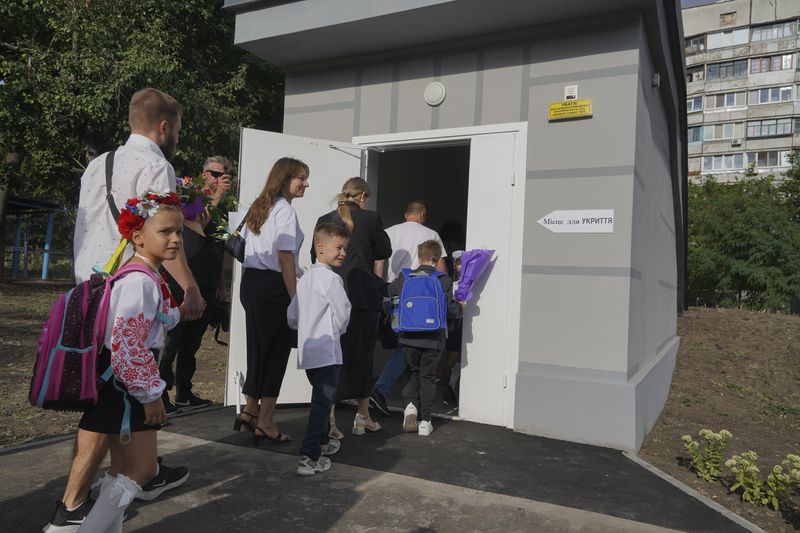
[(694, 104), (797, 126), (695, 45), (770, 64), (726, 19), (771, 158), (769, 95), (770, 127), (729, 69), (725, 100), (728, 130), (725, 39), (773, 31), (723, 162), (695, 74), (695, 134)]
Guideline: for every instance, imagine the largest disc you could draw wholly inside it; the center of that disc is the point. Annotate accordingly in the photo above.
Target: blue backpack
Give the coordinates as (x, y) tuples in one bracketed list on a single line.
[(423, 305)]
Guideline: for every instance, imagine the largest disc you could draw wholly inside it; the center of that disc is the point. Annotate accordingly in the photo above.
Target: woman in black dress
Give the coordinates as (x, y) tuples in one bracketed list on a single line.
[(368, 247)]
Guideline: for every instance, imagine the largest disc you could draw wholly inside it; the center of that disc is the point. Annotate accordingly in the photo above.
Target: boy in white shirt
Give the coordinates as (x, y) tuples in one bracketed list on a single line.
[(320, 312)]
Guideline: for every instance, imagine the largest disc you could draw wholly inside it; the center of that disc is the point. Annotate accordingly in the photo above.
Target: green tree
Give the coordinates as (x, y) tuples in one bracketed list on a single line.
[(69, 67), (744, 244)]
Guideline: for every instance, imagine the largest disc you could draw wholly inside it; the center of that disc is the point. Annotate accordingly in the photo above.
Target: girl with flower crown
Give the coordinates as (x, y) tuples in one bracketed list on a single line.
[(140, 311)]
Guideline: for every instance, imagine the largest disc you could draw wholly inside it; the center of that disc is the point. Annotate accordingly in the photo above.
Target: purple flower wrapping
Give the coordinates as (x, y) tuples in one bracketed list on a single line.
[(193, 209), (473, 264)]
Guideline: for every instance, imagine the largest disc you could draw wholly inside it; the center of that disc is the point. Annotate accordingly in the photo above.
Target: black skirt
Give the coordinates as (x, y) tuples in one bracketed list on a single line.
[(358, 347), (107, 415)]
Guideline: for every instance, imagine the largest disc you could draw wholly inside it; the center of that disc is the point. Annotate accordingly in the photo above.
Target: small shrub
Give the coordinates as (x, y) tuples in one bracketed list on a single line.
[(780, 484), (707, 460), (747, 477)]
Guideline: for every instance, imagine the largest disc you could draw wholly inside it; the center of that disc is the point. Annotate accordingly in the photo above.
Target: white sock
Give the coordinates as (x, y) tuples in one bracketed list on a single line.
[(116, 493)]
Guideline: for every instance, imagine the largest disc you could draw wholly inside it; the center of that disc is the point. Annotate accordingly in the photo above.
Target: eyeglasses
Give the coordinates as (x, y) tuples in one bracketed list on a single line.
[(216, 173)]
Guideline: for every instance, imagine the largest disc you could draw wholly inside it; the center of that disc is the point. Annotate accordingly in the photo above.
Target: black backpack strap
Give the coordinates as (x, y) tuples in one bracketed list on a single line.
[(109, 197)]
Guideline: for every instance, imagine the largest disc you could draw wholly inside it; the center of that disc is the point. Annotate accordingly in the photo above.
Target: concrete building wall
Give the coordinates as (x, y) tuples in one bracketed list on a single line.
[(583, 348)]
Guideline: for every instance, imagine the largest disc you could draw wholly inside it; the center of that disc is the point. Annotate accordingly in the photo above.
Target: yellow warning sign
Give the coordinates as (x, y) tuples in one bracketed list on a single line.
[(570, 109)]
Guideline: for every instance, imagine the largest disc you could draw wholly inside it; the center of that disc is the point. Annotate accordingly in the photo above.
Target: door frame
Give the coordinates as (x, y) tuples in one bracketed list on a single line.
[(432, 138)]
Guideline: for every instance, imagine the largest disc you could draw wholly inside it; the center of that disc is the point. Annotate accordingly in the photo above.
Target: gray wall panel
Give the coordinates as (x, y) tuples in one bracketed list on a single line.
[(332, 125), (413, 113), (376, 99), (502, 85), (460, 80)]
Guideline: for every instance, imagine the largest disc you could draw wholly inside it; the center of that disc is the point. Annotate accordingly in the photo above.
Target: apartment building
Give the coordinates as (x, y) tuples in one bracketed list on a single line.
[(743, 86)]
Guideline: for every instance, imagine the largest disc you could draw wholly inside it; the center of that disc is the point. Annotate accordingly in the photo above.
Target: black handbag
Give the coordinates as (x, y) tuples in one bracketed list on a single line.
[(235, 243)]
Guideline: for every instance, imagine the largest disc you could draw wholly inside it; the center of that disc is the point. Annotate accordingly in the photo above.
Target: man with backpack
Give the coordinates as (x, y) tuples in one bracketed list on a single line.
[(139, 166), (426, 302)]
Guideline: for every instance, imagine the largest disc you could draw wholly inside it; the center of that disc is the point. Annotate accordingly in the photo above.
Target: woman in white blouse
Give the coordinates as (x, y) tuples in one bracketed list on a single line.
[(273, 239)]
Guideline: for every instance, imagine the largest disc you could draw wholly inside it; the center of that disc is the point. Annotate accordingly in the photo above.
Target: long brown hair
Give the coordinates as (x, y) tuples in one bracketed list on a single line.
[(282, 172), (352, 188)]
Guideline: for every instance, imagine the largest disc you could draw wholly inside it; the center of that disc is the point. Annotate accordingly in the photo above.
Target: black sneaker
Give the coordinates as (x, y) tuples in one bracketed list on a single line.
[(167, 479), (169, 407), (377, 400), (64, 521), (190, 400)]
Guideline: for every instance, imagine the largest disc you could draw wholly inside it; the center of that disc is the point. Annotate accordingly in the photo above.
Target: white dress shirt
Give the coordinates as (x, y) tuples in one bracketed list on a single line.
[(280, 233), (320, 312), (405, 238), (139, 166)]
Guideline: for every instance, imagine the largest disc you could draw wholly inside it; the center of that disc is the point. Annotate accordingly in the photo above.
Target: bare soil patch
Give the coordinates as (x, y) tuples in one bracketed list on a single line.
[(736, 370)]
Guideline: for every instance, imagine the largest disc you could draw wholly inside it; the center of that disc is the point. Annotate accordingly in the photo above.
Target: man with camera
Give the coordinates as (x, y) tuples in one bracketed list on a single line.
[(205, 253)]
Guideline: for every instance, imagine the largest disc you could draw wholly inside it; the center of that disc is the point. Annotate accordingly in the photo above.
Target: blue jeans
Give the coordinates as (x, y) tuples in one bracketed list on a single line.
[(324, 381), (394, 368)]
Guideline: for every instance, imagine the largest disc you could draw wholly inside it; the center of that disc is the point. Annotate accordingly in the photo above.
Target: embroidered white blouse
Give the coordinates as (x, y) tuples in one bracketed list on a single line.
[(320, 312), (281, 232), (134, 327)]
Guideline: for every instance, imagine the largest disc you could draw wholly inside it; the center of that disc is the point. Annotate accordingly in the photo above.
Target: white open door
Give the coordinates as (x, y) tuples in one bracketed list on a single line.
[(488, 368), (330, 164)]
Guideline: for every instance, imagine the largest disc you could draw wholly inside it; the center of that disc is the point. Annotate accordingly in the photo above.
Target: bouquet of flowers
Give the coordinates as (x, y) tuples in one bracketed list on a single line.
[(195, 196), (199, 210)]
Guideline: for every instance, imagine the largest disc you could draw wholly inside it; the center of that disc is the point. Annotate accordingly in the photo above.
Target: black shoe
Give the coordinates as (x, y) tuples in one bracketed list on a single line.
[(169, 407), (377, 400), (167, 479), (190, 400), (64, 521), (449, 396)]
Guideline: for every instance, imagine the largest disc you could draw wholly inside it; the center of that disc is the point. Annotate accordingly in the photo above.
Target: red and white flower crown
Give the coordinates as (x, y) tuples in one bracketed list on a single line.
[(137, 210)]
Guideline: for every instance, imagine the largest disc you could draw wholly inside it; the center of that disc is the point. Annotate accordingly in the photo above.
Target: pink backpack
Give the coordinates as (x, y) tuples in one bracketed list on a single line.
[(66, 376)]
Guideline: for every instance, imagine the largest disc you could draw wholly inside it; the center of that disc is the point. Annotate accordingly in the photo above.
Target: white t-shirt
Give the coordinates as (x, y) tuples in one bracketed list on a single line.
[(280, 233), (405, 238), (320, 312), (139, 166)]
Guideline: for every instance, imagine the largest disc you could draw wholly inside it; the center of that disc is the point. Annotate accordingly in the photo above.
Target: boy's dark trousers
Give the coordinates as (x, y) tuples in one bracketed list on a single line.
[(324, 381), (420, 389)]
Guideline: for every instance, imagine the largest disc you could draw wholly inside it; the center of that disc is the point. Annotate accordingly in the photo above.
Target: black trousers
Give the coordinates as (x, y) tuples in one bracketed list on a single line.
[(421, 386), (358, 348), (269, 339), (183, 342)]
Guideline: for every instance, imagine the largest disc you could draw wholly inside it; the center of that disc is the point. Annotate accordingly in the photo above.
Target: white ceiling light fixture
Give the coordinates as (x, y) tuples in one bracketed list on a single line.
[(435, 94)]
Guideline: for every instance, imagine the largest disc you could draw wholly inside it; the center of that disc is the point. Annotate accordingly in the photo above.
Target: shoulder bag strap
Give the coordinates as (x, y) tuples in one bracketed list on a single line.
[(109, 197)]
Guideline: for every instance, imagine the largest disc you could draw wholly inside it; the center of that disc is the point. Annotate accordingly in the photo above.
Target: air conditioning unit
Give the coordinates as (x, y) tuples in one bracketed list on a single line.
[(736, 142)]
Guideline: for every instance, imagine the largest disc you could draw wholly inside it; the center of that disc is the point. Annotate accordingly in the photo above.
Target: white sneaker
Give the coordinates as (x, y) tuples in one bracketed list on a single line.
[(410, 418), (332, 447), (306, 467), (425, 428)]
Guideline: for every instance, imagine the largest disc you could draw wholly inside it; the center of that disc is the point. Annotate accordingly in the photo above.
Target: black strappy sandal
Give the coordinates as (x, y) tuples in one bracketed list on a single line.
[(280, 438), (248, 425)]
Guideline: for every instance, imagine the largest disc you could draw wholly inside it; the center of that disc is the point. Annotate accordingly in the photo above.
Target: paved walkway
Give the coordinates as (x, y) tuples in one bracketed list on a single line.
[(465, 477)]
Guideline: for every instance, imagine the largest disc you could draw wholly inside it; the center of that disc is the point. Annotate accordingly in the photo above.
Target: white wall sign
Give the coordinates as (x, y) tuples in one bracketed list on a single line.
[(570, 92), (579, 221)]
